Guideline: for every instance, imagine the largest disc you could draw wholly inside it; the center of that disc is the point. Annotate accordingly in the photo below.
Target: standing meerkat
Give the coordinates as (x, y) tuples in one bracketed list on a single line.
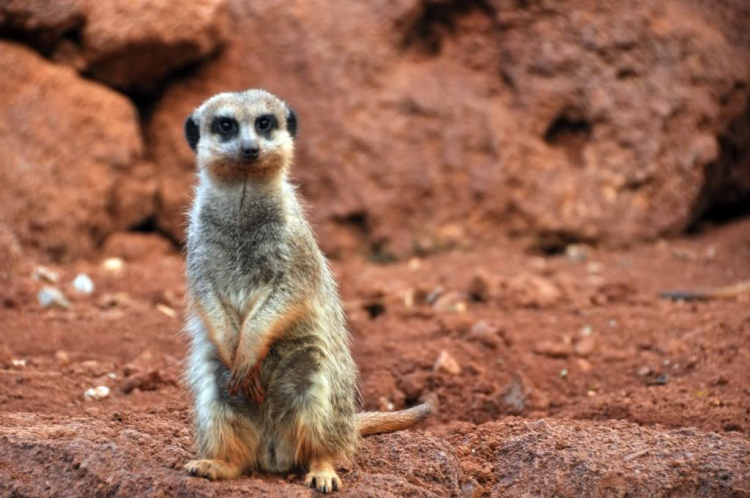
[(271, 373)]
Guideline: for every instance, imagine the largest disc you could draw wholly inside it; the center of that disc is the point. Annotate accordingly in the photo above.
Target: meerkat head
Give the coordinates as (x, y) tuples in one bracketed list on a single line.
[(243, 134)]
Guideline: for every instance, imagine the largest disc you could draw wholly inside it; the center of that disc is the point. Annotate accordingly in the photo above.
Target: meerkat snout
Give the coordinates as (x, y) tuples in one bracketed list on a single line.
[(248, 134)]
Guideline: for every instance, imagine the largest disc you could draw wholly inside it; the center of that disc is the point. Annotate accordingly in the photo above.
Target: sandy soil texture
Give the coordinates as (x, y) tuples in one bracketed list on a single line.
[(559, 375)]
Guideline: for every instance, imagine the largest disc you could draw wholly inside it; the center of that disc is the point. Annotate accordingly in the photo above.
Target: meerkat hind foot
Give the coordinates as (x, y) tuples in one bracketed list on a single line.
[(213, 470), (323, 477)]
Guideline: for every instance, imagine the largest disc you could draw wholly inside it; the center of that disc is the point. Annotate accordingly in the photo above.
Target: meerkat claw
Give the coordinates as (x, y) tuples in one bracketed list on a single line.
[(323, 477)]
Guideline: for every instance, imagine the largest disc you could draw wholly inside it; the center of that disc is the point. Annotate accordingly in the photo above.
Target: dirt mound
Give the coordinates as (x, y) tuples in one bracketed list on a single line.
[(554, 458), (125, 454), (136, 454)]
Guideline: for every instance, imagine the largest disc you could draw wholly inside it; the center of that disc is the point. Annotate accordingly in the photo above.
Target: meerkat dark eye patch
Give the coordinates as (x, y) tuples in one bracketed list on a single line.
[(225, 127), (291, 122), (265, 124), (192, 132)]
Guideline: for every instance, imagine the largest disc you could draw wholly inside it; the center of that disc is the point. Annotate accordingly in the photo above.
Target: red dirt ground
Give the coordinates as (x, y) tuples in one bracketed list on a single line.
[(640, 396)]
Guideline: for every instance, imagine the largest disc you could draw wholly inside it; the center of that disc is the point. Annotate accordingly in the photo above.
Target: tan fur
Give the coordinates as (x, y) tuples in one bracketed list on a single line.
[(369, 423), (727, 291), (218, 333)]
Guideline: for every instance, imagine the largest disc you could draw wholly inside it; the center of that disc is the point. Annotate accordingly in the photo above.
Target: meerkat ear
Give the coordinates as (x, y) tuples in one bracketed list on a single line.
[(192, 132), (291, 122)]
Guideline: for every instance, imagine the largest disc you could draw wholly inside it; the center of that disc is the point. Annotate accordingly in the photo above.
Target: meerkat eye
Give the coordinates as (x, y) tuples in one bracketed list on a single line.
[(224, 126), (264, 123)]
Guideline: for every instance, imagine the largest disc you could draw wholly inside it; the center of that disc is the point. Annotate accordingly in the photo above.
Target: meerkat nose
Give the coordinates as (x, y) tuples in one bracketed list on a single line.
[(250, 151)]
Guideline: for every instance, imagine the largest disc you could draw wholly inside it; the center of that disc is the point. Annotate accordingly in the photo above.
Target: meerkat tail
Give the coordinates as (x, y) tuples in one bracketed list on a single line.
[(370, 423), (713, 292)]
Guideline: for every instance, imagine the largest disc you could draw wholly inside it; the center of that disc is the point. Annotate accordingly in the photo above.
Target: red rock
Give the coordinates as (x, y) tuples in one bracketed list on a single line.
[(485, 333), (585, 346), (527, 289), (553, 349), (570, 156), (123, 43), (61, 155)]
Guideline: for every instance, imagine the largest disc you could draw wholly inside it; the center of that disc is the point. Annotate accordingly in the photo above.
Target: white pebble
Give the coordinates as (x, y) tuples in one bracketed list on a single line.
[(44, 274), (98, 392), (114, 265), (50, 296), (83, 284)]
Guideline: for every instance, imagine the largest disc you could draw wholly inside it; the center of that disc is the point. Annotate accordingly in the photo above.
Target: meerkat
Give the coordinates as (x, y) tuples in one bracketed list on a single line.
[(274, 384), (725, 291)]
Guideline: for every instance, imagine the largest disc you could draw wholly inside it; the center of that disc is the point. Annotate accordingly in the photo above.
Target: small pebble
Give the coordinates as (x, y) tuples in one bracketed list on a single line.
[(385, 405), (166, 310), (50, 296), (44, 274), (115, 266), (564, 372), (552, 349), (486, 334), (644, 371), (99, 392), (661, 380), (18, 363), (585, 346), (83, 284), (576, 252), (446, 363), (62, 357)]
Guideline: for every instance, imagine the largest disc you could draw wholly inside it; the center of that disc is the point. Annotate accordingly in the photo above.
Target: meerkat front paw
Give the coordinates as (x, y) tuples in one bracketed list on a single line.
[(249, 386), (213, 470), (323, 477)]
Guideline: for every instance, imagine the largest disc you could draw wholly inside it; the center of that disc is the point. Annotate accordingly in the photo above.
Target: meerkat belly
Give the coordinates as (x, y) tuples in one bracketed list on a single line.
[(300, 400)]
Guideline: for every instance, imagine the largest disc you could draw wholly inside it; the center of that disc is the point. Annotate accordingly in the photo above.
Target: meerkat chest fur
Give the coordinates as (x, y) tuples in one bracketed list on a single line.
[(240, 242)]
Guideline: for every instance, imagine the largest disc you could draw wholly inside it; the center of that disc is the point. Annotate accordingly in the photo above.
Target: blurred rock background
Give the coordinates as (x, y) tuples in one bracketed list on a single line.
[(423, 122)]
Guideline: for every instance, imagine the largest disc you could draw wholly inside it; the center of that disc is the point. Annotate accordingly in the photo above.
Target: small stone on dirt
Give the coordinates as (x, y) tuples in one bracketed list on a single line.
[(585, 347), (148, 381), (114, 266), (62, 357), (166, 310), (99, 392), (44, 274), (83, 284), (486, 334), (552, 349), (483, 285), (451, 302), (447, 364), (576, 252), (661, 380), (412, 384), (385, 405), (51, 296), (533, 291)]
